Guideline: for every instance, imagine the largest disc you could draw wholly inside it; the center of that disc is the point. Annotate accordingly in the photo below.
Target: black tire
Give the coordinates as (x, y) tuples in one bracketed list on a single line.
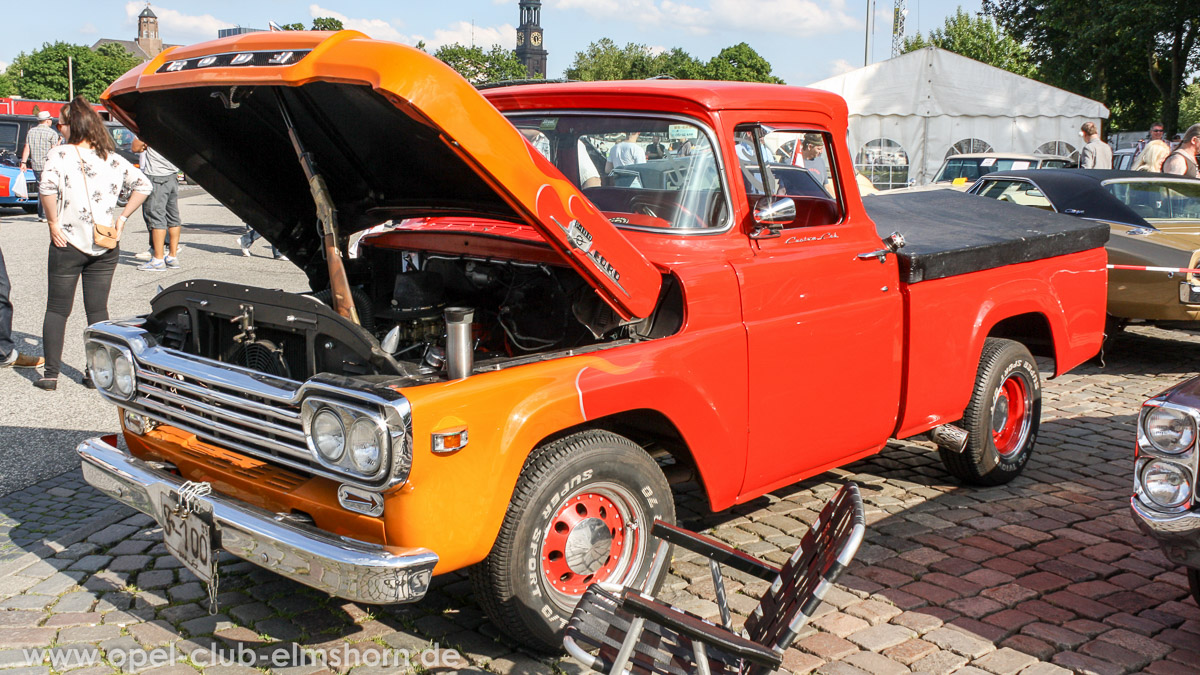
[(1193, 576), (1007, 376), (594, 470)]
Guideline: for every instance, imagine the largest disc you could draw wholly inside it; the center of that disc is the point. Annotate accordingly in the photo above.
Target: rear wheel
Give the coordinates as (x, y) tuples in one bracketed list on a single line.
[(581, 512), (1002, 418)]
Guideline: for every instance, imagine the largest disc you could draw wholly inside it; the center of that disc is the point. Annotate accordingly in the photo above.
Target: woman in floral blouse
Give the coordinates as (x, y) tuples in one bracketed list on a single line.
[(80, 184)]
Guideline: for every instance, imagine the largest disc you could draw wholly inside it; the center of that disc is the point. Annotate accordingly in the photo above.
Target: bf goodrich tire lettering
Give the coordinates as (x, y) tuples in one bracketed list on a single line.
[(1002, 417), (581, 512)]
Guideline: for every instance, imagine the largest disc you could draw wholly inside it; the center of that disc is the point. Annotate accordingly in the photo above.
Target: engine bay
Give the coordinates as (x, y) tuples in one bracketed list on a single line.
[(522, 311)]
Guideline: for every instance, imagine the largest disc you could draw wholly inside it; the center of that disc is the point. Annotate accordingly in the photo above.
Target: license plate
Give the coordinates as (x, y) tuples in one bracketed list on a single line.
[(187, 538)]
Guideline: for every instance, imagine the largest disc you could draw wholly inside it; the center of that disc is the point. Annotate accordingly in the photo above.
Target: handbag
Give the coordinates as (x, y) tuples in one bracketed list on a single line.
[(104, 236)]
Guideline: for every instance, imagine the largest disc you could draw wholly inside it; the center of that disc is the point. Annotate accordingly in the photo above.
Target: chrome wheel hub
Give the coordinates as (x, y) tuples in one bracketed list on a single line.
[(588, 546)]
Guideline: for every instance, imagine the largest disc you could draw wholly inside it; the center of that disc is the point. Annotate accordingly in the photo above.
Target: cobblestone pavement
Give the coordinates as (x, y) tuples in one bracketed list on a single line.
[(1045, 575)]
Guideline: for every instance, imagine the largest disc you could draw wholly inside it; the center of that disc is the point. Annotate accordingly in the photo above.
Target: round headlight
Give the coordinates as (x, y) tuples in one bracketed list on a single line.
[(329, 435), (101, 366), (1166, 484), (123, 375), (366, 449), (1169, 430)]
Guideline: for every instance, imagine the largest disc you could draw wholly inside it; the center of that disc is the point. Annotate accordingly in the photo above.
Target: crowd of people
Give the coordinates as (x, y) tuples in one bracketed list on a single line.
[(1154, 154)]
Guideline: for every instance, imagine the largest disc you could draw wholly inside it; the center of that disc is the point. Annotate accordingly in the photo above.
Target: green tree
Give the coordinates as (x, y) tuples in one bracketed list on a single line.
[(740, 62), (1134, 55), (480, 67), (604, 60), (7, 87), (1189, 106), (327, 23), (292, 26), (44, 73), (977, 37)]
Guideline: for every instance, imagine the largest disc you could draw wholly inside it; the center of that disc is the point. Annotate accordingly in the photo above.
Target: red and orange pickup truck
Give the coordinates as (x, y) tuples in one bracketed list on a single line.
[(578, 290)]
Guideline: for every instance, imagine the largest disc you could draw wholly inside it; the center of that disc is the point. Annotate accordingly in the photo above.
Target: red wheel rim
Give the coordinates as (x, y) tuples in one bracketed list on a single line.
[(1011, 416), (584, 543)]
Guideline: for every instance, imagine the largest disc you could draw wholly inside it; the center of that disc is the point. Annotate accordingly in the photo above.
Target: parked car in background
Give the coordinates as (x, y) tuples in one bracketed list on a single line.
[(1154, 220), (123, 138), (962, 170), (1123, 159), (13, 129), (1164, 476)]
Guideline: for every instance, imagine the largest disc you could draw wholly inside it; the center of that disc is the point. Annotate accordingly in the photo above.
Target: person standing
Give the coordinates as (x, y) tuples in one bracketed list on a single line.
[(1156, 134), (79, 188), (161, 211), (1095, 153), (10, 356), (38, 142), (625, 153), (1182, 162), (811, 147), (1152, 157)]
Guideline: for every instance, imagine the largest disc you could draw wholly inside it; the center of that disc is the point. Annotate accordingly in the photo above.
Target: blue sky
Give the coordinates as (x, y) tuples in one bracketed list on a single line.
[(805, 40)]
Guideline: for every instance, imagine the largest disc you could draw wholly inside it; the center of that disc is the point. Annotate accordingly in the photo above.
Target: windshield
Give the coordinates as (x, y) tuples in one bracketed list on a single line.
[(1159, 200), (971, 168), (1015, 191), (647, 172)]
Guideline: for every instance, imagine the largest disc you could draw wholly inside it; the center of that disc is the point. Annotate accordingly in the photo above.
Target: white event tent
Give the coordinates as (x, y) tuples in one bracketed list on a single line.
[(907, 114)]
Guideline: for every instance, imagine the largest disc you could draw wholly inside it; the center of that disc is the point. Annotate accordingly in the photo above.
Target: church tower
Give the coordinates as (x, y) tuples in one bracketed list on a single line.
[(529, 39), (148, 38)]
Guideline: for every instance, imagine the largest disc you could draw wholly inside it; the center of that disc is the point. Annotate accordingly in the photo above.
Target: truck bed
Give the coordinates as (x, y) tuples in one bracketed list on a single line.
[(951, 233)]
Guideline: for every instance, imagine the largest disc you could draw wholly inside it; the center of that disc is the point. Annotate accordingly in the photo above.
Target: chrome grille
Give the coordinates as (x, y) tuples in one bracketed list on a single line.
[(230, 417)]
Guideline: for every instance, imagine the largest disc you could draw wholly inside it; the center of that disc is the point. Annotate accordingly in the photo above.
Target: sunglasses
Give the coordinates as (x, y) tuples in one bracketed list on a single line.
[(1156, 131)]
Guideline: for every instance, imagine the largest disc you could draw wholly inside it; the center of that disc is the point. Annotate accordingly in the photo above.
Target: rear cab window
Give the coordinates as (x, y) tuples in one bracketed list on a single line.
[(793, 163), (8, 138), (1015, 191), (642, 171)]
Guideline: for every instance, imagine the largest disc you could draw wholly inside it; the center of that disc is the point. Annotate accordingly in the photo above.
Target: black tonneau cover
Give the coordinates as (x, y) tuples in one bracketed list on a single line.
[(951, 233)]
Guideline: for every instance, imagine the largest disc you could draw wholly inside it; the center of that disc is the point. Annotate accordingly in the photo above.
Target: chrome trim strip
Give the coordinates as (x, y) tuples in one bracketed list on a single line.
[(221, 397), (354, 570), (180, 420), (273, 428)]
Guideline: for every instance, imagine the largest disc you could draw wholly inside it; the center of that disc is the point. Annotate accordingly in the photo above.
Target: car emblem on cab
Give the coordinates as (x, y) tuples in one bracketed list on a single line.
[(360, 501)]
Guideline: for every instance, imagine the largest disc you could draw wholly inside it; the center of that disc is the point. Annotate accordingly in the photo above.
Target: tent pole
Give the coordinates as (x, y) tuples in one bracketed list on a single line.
[(870, 30)]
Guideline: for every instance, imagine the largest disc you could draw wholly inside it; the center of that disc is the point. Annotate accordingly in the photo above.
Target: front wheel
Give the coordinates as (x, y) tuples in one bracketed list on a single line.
[(1002, 418), (581, 512)]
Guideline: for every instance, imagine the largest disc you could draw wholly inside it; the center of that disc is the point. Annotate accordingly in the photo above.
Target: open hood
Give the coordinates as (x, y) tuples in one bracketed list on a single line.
[(394, 132)]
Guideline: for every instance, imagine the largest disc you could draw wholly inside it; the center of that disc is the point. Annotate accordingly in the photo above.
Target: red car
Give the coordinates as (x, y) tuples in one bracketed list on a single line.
[(498, 381)]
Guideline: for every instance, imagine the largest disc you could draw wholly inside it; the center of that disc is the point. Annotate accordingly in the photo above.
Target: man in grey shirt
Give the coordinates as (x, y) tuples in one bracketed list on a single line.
[(1095, 153), (161, 209)]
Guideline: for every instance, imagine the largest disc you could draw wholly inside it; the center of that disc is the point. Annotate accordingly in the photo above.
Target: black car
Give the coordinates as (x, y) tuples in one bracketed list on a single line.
[(1153, 219)]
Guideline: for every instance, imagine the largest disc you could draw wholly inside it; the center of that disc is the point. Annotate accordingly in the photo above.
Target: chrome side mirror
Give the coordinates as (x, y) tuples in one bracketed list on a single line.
[(771, 215)]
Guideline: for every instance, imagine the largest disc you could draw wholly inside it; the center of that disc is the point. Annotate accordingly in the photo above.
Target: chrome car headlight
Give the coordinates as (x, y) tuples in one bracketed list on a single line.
[(1169, 430), (366, 445), (124, 381), (329, 435), (1166, 484), (100, 364)]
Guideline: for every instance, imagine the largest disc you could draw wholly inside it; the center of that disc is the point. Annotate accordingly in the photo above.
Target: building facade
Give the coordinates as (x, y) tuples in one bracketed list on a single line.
[(530, 41), (148, 43)]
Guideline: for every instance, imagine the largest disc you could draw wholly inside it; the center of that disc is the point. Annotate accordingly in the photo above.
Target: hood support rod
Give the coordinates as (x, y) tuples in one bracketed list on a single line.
[(343, 300)]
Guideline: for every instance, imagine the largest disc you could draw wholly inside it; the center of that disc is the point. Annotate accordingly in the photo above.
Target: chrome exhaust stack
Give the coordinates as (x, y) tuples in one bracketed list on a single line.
[(949, 437), (460, 349)]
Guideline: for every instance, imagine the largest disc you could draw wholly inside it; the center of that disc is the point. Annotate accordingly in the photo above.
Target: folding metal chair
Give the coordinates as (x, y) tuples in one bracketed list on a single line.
[(631, 632)]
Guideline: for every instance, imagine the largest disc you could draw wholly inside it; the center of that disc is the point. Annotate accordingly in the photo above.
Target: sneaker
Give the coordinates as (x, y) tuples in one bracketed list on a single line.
[(171, 262), (145, 255), (281, 257), (18, 360), (153, 266), (244, 245)]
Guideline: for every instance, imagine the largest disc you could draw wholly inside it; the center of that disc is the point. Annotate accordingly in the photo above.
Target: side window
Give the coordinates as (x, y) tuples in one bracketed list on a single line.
[(1017, 192), (8, 137), (797, 166)]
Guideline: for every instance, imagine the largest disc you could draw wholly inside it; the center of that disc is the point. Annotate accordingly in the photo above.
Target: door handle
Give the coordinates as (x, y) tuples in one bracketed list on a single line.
[(881, 255), (892, 243)]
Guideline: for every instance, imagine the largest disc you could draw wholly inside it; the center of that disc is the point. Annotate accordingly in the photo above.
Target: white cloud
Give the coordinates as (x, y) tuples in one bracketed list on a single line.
[(376, 28), (3, 66), (463, 33), (175, 27), (795, 18), (841, 67), (88, 28)]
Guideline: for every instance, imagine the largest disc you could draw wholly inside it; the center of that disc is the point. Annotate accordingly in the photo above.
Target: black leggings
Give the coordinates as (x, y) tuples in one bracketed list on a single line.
[(65, 266)]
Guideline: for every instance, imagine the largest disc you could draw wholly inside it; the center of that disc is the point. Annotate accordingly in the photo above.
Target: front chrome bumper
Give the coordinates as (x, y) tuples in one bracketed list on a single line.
[(354, 570), (1177, 533)]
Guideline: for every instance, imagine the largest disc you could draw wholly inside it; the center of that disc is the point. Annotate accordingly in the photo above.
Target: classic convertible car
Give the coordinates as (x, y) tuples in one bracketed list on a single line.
[(1154, 219), (965, 169)]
